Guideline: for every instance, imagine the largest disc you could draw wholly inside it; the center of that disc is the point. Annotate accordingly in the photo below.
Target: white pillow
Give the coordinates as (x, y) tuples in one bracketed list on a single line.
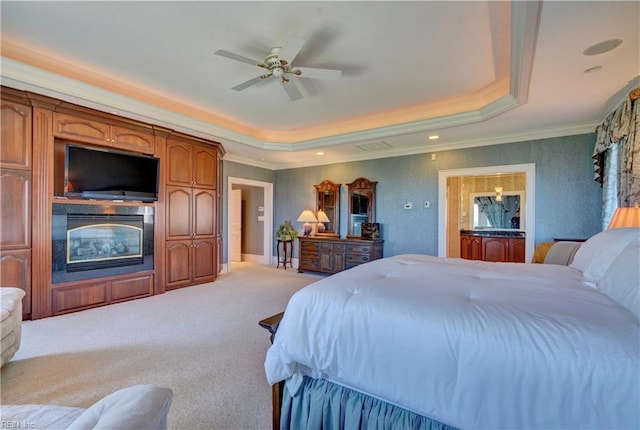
[(596, 255), (622, 280)]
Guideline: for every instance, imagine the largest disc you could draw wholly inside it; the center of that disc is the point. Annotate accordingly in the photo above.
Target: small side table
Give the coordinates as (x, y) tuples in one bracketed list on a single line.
[(287, 250)]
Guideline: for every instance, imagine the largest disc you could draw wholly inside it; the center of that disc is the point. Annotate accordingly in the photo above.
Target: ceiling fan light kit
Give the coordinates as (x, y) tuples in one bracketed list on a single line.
[(279, 63)]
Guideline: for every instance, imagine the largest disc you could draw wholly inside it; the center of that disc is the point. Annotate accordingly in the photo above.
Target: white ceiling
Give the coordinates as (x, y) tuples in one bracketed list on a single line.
[(474, 73)]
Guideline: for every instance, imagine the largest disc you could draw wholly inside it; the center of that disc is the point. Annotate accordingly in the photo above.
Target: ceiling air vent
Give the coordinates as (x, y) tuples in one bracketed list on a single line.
[(374, 146)]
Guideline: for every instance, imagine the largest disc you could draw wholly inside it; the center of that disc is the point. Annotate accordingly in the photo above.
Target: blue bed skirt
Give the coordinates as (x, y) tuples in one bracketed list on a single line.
[(320, 404)]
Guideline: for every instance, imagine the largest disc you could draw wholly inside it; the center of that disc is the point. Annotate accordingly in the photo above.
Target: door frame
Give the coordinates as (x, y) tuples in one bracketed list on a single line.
[(529, 169), (267, 241)]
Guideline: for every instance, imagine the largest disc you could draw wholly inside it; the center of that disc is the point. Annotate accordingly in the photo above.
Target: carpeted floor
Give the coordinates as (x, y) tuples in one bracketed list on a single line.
[(203, 342)]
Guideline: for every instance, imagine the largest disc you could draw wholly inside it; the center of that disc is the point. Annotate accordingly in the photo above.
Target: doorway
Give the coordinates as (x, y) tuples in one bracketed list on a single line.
[(445, 217), (264, 217)]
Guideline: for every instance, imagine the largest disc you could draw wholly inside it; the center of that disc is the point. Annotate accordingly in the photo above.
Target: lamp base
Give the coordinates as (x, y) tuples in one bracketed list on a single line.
[(307, 228), (320, 227)]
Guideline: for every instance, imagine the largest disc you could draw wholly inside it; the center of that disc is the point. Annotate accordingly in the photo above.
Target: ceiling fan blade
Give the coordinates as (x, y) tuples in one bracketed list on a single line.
[(250, 82), (291, 47), (238, 57), (310, 72), (292, 90)]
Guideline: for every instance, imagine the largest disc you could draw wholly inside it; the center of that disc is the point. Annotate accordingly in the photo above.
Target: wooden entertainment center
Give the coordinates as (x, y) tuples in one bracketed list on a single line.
[(187, 238)]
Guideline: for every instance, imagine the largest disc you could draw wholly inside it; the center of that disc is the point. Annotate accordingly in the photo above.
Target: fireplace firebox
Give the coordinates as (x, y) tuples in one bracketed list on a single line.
[(93, 241), (98, 241)]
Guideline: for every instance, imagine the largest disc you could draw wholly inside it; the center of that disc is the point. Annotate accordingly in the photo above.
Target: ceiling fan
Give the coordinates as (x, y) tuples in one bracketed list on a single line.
[(279, 63)]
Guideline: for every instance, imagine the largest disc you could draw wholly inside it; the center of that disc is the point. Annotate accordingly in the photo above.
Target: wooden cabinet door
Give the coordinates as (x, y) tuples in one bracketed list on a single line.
[(130, 140), (15, 211), (470, 247), (15, 150), (80, 129), (203, 212), (15, 271), (204, 260), (326, 257), (179, 163), (516, 250), (205, 165), (495, 249), (178, 213), (338, 262), (178, 263)]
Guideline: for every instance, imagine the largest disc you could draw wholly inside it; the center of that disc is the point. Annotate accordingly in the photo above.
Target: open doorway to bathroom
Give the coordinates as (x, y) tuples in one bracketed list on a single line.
[(457, 187)]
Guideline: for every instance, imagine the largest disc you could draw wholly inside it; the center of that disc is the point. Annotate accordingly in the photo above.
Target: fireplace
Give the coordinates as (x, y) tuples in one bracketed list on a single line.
[(98, 241), (94, 241)]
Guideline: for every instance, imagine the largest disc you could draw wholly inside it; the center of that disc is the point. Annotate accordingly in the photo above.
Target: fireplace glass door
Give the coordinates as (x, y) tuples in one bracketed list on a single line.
[(100, 241)]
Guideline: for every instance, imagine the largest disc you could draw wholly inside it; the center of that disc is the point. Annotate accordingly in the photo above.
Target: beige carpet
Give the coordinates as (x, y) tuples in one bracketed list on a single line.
[(203, 342)]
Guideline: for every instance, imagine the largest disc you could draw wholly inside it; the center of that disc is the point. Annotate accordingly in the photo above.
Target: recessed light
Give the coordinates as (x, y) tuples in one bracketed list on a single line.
[(602, 47), (434, 137), (319, 153), (593, 69)]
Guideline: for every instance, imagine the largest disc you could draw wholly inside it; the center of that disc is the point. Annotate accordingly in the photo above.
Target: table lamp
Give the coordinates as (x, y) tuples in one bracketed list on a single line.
[(626, 217), (307, 217)]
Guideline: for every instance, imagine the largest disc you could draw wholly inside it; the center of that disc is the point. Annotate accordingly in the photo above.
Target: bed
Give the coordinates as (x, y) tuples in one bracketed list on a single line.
[(416, 341)]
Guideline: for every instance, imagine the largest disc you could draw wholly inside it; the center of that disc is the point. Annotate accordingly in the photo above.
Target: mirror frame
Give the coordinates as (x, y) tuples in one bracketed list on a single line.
[(368, 188), (323, 188)]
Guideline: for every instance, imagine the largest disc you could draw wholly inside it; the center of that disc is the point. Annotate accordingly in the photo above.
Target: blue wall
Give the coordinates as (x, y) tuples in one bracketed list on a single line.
[(568, 201)]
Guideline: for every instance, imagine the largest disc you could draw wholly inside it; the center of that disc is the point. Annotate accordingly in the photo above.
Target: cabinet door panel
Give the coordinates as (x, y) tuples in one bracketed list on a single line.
[(130, 140), (204, 257), (178, 263), (516, 250), (15, 272), (205, 167), (80, 129), (178, 222), (203, 212), (15, 150), (495, 249), (179, 163), (15, 211), (125, 289), (69, 299)]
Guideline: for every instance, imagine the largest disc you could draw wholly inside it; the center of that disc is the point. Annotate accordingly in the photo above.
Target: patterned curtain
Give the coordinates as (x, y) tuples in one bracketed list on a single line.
[(616, 157)]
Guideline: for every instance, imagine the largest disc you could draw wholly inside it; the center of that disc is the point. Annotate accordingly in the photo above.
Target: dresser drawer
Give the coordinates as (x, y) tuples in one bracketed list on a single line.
[(310, 246), (357, 258), (359, 248)]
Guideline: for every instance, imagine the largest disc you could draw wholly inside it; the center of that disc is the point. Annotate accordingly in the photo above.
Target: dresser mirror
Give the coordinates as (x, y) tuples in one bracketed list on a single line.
[(362, 205), (328, 202)]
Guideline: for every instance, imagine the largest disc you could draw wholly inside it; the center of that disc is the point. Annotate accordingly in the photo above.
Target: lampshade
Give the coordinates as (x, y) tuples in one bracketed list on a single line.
[(626, 217), (322, 217), (307, 217)]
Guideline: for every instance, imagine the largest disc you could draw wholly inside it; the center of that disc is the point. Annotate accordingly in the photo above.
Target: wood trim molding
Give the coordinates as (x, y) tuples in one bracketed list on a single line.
[(42, 201)]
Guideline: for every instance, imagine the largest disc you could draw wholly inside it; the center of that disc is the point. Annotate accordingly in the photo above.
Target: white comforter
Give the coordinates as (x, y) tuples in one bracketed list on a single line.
[(470, 344)]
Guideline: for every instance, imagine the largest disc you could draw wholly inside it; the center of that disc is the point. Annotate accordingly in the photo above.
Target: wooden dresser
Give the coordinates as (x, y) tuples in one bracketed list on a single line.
[(332, 255)]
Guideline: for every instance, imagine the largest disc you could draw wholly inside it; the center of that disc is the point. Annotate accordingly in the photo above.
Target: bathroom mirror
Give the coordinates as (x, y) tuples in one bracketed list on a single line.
[(328, 201), (362, 205), (491, 212)]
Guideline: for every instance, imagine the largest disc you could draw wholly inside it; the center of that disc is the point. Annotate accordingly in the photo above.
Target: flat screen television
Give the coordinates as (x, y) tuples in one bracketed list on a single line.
[(92, 173)]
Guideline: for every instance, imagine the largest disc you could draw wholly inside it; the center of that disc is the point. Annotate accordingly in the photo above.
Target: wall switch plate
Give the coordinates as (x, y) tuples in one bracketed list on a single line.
[(408, 205), (427, 204)]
